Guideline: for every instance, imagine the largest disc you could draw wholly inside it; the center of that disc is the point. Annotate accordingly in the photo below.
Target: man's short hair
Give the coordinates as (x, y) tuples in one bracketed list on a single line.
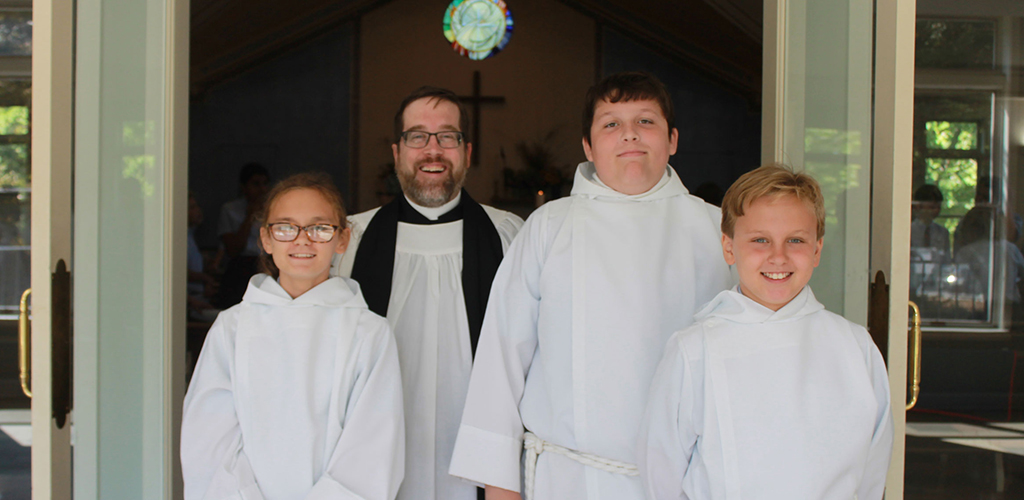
[(928, 193), (250, 170), (772, 180), (627, 86), (428, 92)]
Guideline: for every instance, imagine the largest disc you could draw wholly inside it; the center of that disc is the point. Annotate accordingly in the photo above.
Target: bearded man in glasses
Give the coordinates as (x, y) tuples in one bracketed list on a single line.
[(425, 261)]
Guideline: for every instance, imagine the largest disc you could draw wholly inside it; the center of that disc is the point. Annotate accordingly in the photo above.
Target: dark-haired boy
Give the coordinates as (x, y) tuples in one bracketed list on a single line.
[(581, 308)]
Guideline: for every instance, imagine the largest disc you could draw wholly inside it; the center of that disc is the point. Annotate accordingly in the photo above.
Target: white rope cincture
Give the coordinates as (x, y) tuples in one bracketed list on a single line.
[(534, 446)]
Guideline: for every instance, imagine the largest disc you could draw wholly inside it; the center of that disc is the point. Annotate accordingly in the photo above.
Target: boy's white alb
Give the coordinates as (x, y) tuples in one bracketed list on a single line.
[(427, 312), (580, 310), (754, 403), (295, 398)]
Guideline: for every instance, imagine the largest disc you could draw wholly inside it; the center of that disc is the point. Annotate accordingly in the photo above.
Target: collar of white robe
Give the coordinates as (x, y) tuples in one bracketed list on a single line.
[(534, 446), (586, 183)]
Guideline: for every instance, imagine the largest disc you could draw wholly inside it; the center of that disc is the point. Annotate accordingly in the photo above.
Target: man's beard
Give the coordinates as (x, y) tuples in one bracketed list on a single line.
[(431, 194)]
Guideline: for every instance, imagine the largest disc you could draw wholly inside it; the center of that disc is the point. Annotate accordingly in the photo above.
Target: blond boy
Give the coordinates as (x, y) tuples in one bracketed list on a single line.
[(767, 394)]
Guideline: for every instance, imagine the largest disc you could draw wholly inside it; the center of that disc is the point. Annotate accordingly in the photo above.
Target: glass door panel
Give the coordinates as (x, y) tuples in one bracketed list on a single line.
[(15, 230), (129, 242), (965, 437), (826, 130), (15, 242)]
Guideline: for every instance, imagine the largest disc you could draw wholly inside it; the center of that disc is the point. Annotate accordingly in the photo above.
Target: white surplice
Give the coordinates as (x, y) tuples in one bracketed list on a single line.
[(750, 403), (580, 311), (295, 398), (427, 312)]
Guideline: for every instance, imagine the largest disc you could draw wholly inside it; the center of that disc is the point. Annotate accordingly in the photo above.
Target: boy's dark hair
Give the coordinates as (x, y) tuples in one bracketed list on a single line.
[(439, 95), (250, 170), (627, 86), (317, 181), (928, 193)]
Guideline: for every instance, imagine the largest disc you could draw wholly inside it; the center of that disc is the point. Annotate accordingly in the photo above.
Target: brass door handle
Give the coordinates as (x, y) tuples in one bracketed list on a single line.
[(24, 345), (915, 353)]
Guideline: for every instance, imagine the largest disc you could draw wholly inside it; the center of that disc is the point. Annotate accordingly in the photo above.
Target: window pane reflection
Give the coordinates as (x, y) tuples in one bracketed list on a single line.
[(15, 193), (15, 33), (955, 43), (14, 247), (951, 135), (961, 245)]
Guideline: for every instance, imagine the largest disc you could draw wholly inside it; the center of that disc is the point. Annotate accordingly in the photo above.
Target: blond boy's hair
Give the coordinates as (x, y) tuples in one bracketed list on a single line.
[(772, 180)]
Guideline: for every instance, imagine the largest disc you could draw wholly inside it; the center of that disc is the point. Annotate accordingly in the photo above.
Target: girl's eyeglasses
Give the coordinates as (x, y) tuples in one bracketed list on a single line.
[(317, 233)]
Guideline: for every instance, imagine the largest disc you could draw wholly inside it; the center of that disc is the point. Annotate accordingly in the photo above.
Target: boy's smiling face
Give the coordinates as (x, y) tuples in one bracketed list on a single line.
[(775, 249), (630, 144)]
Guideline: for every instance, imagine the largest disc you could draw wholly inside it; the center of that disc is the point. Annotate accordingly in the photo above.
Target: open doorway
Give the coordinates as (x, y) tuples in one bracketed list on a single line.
[(315, 86)]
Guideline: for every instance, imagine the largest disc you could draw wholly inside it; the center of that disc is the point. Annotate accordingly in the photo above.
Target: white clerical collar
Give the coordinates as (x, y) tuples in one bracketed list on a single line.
[(433, 213), (665, 177)]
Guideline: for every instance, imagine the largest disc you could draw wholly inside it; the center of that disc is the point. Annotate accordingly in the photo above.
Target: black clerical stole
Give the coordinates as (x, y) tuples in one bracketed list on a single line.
[(481, 253)]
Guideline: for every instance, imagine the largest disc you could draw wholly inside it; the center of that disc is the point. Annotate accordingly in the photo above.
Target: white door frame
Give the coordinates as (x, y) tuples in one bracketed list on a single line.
[(178, 23), (892, 139), (52, 79), (891, 198)]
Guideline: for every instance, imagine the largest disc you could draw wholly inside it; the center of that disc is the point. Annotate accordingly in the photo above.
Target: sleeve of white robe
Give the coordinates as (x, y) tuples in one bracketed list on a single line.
[(490, 440), (369, 460), (213, 460), (667, 435), (872, 486), (508, 228)]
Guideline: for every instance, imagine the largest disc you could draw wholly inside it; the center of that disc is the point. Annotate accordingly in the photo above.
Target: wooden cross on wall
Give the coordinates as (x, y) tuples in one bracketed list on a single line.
[(475, 101)]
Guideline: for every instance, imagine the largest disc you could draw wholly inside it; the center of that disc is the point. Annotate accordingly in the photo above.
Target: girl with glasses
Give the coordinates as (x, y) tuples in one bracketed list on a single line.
[(297, 392)]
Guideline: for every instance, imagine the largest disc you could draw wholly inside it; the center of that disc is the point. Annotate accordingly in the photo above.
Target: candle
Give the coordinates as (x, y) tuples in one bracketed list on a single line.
[(540, 198)]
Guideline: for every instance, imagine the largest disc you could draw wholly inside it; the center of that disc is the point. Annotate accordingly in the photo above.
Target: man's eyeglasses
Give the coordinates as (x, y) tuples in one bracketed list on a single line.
[(317, 233), (417, 139)]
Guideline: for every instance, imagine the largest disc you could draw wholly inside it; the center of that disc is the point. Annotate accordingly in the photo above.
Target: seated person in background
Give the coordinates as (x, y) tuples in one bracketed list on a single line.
[(582, 304), (977, 245), (200, 284), (768, 395), (924, 231), (239, 235)]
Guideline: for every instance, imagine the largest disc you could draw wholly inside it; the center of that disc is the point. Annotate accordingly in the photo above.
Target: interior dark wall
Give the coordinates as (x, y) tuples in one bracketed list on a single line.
[(542, 75), (719, 131), (291, 114)]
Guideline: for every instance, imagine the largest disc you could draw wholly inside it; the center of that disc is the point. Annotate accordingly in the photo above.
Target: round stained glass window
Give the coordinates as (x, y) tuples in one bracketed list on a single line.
[(478, 29)]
